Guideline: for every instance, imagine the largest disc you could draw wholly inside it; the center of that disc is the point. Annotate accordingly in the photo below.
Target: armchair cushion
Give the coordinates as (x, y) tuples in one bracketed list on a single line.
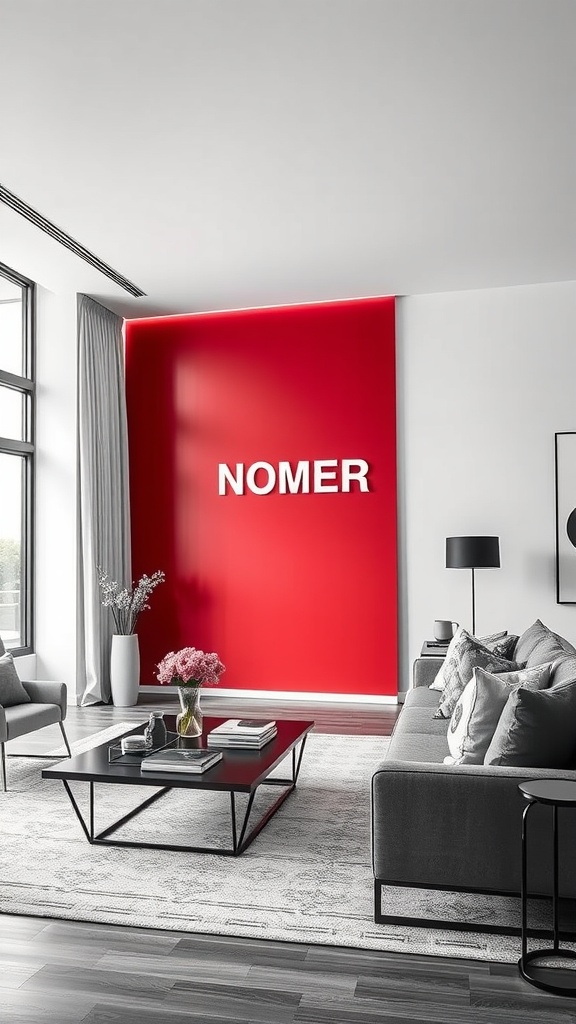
[(11, 690), (24, 718), (46, 691)]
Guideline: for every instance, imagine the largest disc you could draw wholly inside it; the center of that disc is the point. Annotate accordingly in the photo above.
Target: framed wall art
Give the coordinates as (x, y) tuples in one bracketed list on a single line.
[(565, 485)]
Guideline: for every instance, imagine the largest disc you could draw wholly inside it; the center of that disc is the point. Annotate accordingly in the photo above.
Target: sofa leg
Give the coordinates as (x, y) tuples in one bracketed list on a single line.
[(63, 731), (3, 766)]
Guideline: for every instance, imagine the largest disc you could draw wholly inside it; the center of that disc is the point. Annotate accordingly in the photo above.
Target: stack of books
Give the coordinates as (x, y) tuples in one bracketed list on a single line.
[(191, 761), (250, 733)]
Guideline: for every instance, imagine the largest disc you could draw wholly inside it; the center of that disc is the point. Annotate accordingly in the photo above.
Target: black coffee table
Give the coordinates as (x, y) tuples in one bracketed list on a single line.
[(240, 771)]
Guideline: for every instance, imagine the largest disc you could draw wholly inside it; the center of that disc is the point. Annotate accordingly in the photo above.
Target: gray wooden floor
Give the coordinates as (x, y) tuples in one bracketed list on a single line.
[(60, 972), (355, 719)]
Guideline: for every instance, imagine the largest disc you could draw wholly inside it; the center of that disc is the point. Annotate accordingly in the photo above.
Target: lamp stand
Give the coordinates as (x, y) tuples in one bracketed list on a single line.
[(473, 606)]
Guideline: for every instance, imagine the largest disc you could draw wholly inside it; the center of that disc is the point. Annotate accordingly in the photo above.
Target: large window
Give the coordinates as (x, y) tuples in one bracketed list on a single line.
[(16, 459)]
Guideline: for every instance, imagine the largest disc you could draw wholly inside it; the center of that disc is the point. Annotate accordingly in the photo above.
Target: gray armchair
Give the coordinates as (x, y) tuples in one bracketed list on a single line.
[(48, 704)]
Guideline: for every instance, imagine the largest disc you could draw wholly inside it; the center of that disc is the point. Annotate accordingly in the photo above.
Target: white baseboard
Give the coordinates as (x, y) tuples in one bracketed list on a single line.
[(331, 698)]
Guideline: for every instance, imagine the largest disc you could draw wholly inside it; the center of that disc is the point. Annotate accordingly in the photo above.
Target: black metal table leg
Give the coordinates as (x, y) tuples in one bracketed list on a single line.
[(524, 883), (555, 918), (241, 837), (91, 818), (555, 793), (233, 816)]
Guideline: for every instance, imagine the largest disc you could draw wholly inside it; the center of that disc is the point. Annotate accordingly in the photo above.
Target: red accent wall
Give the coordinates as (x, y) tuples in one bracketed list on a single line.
[(293, 591)]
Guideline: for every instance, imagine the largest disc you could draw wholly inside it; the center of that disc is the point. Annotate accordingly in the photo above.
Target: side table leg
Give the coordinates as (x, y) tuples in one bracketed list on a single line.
[(524, 883), (555, 916)]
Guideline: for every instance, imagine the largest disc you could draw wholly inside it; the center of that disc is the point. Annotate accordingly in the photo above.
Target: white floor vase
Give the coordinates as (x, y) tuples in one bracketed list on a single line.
[(124, 670)]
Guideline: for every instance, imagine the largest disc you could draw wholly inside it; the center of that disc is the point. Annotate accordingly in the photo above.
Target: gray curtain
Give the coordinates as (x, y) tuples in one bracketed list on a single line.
[(103, 502)]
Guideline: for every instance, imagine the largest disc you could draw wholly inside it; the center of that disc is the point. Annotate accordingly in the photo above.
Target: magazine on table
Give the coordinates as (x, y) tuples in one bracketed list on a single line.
[(249, 733), (181, 760), (250, 727)]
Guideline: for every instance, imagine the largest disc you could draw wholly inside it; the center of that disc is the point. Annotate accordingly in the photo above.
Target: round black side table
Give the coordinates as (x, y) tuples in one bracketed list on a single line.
[(556, 793)]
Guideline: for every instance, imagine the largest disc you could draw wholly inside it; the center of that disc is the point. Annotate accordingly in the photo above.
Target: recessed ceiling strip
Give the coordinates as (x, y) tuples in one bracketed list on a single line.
[(19, 206)]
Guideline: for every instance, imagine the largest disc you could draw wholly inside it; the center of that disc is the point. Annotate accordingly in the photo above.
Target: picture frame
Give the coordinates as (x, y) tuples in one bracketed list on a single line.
[(565, 504)]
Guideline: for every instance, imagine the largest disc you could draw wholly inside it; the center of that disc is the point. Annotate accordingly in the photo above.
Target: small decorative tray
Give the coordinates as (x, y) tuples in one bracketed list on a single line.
[(137, 756)]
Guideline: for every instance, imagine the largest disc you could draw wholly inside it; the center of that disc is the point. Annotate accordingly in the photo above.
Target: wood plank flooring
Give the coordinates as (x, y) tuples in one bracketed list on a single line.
[(343, 719), (60, 972)]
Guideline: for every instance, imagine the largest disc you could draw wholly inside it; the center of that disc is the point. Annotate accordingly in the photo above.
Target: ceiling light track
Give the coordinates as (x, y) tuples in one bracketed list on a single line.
[(19, 206)]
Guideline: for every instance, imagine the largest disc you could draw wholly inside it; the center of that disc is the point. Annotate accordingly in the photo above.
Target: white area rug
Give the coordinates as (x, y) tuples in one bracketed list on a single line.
[(79, 746), (306, 878)]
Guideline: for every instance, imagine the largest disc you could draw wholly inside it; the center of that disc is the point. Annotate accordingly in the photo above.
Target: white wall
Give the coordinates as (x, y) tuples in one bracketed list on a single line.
[(56, 479), (485, 378)]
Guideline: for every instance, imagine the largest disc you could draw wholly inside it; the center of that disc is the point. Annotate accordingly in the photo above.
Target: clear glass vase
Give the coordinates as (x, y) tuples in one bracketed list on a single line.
[(189, 721)]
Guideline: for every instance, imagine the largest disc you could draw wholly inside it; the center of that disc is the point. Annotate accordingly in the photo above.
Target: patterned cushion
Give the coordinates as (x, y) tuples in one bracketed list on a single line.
[(493, 637), (503, 646), (491, 641), (536, 729), (498, 643), (479, 707), (11, 690), (458, 667)]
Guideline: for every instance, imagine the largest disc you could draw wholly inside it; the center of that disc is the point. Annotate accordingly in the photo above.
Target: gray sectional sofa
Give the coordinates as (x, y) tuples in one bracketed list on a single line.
[(458, 827)]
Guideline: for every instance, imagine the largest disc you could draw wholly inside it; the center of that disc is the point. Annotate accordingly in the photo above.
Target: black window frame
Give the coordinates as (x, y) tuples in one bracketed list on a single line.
[(25, 384)]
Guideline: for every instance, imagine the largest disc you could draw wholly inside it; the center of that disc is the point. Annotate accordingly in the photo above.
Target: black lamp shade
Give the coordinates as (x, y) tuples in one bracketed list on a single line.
[(472, 553)]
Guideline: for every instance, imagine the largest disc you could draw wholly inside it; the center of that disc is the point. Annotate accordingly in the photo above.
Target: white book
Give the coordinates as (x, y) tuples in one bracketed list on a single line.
[(244, 736), (244, 727), (241, 741)]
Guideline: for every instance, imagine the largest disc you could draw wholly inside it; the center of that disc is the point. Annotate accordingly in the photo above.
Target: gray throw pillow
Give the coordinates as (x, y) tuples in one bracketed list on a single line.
[(465, 653), (479, 707), (537, 729), (539, 644), (11, 689), (2, 648), (563, 669)]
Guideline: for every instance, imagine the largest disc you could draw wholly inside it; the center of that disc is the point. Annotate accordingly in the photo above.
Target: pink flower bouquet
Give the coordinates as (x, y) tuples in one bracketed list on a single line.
[(189, 667)]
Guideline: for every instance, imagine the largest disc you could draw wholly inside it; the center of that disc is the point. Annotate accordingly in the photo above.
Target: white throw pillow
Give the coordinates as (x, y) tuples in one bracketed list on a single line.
[(480, 706)]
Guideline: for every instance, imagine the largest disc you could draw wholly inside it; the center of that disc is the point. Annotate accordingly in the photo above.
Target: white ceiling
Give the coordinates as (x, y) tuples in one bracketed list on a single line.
[(227, 153)]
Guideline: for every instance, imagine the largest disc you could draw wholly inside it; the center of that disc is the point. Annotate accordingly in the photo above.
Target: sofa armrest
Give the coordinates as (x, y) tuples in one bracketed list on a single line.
[(425, 670), (3, 726), (451, 826), (46, 691)]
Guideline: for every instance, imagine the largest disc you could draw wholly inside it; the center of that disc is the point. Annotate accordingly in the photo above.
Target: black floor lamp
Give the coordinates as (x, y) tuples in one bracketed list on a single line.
[(473, 553)]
